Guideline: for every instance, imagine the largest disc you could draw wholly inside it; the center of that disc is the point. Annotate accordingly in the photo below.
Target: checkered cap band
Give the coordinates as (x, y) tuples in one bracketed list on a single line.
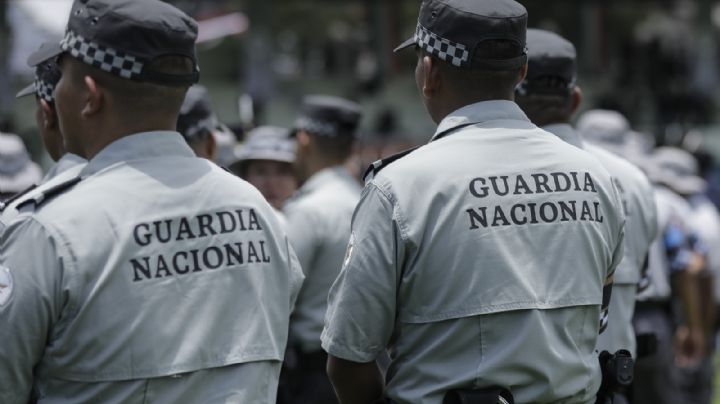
[(451, 52), (102, 57), (316, 127), (44, 90)]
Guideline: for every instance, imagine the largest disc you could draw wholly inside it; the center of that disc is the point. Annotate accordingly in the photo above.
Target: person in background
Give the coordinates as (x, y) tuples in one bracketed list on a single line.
[(319, 216), (67, 165), (17, 172), (197, 122), (549, 95), (265, 160), (678, 171)]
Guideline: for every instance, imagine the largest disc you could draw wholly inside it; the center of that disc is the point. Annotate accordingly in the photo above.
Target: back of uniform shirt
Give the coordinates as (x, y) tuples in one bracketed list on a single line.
[(529, 213), (173, 266)]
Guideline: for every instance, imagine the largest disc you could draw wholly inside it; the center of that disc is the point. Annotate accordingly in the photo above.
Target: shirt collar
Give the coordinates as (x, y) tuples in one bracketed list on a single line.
[(323, 177), (480, 112), (566, 133), (145, 145), (66, 162)]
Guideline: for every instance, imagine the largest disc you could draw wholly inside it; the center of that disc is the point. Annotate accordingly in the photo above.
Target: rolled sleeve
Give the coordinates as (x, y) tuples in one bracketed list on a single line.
[(362, 302), (30, 256)]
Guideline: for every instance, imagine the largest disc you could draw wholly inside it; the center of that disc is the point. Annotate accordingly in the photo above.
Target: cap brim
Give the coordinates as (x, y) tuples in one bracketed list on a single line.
[(408, 43), (29, 90), (45, 53)]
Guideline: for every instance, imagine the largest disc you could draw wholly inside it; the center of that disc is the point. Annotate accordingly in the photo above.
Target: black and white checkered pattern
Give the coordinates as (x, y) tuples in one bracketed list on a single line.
[(44, 90), (455, 53), (316, 127), (102, 57)]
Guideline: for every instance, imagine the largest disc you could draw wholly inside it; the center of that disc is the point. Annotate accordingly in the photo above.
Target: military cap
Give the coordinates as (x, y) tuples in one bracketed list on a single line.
[(125, 37), (196, 118), (329, 116), (676, 169), (268, 143), (17, 171), (47, 75), (552, 64), (455, 30)]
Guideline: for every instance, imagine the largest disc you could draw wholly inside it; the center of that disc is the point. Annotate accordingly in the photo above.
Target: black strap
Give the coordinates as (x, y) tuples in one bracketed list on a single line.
[(49, 193), (8, 202), (378, 166)]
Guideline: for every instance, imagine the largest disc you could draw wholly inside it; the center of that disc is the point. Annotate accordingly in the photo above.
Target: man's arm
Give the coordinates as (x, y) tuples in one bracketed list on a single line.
[(30, 303), (361, 312), (355, 383)]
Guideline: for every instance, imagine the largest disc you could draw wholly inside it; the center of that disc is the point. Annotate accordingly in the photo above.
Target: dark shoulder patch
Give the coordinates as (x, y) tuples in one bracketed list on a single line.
[(49, 194), (378, 166), (15, 197)]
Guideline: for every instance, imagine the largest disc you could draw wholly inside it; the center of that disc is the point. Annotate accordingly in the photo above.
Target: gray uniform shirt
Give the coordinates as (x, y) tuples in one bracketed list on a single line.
[(705, 223), (318, 225), (640, 230), (479, 259), (64, 169), (156, 264), (671, 210)]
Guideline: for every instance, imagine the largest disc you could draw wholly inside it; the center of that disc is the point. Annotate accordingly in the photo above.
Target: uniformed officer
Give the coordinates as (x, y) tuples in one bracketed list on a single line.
[(672, 270), (460, 260), (197, 122), (154, 276), (677, 170), (67, 165), (266, 160), (611, 131), (17, 171), (550, 96), (319, 218)]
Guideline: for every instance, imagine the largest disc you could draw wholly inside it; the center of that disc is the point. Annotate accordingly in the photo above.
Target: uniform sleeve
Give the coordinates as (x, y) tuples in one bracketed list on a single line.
[(30, 304), (296, 274), (362, 303), (617, 256), (302, 231)]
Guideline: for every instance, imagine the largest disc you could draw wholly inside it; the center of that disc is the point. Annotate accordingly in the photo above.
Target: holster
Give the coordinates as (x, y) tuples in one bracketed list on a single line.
[(490, 395), (617, 374)]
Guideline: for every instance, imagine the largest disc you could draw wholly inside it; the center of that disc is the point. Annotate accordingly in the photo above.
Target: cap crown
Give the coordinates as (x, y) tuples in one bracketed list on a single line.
[(124, 36), (550, 57), (455, 30)]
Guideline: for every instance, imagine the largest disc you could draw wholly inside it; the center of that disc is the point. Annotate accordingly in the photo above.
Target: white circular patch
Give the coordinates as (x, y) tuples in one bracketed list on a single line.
[(6, 285), (348, 253)]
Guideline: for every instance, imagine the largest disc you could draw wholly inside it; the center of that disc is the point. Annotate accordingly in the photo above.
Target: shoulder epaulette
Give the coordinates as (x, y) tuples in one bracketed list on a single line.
[(378, 166), (49, 193), (15, 197)]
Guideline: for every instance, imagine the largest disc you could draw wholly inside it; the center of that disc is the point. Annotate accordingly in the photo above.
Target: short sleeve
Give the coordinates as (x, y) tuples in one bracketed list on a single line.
[(30, 303), (362, 302), (618, 249)]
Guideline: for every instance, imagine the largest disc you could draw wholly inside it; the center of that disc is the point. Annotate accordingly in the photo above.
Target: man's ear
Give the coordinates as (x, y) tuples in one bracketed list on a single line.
[(211, 147), (303, 139), (94, 98), (49, 119), (431, 81), (576, 100), (522, 73)]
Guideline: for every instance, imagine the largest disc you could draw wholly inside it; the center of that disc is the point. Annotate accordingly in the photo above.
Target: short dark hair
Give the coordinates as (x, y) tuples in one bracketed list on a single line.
[(338, 147), (141, 97), (547, 107), (495, 83)]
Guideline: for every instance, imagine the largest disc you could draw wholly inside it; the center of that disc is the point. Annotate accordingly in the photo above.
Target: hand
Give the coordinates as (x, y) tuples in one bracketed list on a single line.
[(689, 346)]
